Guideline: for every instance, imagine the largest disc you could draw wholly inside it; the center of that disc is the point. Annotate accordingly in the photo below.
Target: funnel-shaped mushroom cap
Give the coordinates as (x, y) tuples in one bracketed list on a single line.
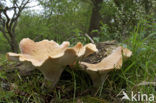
[(50, 57), (99, 70), (114, 60)]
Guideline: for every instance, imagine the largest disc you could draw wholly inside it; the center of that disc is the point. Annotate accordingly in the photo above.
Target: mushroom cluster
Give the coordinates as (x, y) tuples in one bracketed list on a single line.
[(51, 58)]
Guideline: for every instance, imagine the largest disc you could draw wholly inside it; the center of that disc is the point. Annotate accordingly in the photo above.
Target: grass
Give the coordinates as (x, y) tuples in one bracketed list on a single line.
[(75, 87)]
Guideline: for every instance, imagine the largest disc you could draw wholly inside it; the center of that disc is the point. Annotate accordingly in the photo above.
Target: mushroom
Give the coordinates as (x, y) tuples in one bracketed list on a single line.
[(49, 57), (99, 70)]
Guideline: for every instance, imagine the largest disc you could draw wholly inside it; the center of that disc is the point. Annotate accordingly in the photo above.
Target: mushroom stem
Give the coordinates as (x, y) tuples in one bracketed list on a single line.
[(52, 71), (98, 78), (52, 76)]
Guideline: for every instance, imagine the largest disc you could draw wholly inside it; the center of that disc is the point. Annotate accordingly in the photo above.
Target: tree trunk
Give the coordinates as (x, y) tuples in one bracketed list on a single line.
[(13, 42), (8, 25), (14, 45), (95, 18)]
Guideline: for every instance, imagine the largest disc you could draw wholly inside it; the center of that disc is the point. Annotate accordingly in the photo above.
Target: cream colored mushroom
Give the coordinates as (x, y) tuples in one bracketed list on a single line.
[(99, 70), (49, 57)]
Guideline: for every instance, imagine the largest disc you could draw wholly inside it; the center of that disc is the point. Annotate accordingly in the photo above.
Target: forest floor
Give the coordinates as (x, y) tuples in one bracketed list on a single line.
[(137, 75)]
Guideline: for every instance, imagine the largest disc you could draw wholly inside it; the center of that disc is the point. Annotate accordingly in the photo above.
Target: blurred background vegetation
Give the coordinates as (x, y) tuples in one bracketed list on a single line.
[(63, 19), (132, 22)]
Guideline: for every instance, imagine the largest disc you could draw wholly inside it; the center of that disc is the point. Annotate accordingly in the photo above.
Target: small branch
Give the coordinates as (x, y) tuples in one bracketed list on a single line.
[(15, 13), (92, 41), (144, 83), (24, 4), (31, 6)]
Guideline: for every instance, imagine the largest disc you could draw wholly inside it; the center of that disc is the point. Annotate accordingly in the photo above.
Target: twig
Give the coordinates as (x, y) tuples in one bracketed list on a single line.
[(146, 83), (92, 41)]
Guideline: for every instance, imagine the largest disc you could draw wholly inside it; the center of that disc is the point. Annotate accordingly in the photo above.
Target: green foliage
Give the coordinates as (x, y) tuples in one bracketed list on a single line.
[(139, 68), (65, 17), (32, 26), (127, 21), (4, 47), (52, 27), (120, 17)]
